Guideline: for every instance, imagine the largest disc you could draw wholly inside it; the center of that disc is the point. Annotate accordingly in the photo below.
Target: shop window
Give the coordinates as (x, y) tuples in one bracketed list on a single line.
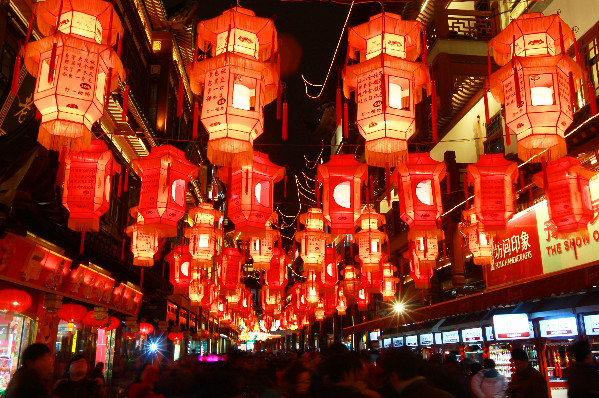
[(15, 335)]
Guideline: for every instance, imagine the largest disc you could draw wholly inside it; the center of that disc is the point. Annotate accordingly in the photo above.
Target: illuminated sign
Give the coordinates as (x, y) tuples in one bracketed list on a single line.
[(375, 335), (398, 342), (591, 325), (472, 335), (426, 339), (489, 333), (451, 337), (438, 339), (558, 327), (412, 341), (511, 327), (386, 343)]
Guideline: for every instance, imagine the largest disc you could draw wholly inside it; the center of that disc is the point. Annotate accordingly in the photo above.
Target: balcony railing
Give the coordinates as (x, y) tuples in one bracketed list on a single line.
[(461, 25)]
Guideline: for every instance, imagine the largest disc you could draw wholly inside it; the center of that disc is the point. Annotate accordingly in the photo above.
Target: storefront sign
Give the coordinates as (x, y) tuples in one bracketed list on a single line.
[(558, 327), (412, 341), (375, 335), (398, 342), (489, 333), (426, 339), (472, 335), (387, 343), (451, 337), (511, 327), (438, 339), (591, 325)]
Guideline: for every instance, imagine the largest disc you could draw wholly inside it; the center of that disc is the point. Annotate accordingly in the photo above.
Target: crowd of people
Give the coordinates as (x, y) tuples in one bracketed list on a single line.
[(336, 373)]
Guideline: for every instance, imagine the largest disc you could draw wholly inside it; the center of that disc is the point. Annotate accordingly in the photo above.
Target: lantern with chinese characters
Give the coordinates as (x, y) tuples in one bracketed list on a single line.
[(14, 301), (202, 292), (164, 176), (250, 193), (319, 314), (233, 296), (245, 308), (236, 82), (389, 285), (329, 276), (370, 240), (145, 328), (420, 271), (312, 239), (425, 245), (493, 179), (229, 268), (276, 277), (363, 299), (537, 83), (342, 178), (388, 84), (371, 280), (262, 249), (312, 288), (203, 234), (290, 316), (480, 243), (143, 244), (341, 303), (566, 185), (351, 281), (298, 297), (87, 185), (179, 260), (270, 299), (330, 299)]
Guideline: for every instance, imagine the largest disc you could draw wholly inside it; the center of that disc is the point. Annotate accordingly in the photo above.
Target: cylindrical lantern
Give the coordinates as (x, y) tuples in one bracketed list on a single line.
[(312, 239), (262, 249), (143, 245), (493, 179), (341, 302), (229, 262), (276, 277), (270, 298), (245, 307), (425, 245), (342, 178), (480, 243), (568, 194), (202, 292), (330, 299), (351, 281), (421, 271), (233, 296), (319, 314), (312, 288), (388, 84), (535, 83), (363, 299), (371, 280), (250, 193), (329, 276), (203, 234), (389, 285), (298, 297), (87, 185), (164, 176), (145, 328), (179, 261), (370, 240)]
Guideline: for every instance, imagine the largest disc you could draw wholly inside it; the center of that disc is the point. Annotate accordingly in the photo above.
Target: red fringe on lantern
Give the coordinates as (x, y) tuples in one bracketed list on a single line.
[(279, 102), (434, 110), (371, 188), (123, 249), (338, 107), (180, 98), (118, 185), (345, 121), (447, 184), (284, 122), (486, 101), (119, 46), (194, 130)]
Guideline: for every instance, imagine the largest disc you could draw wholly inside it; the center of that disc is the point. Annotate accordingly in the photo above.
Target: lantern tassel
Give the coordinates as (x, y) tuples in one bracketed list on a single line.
[(338, 107), (107, 86), (388, 183), (434, 111), (82, 245), (194, 130), (371, 188), (345, 121), (123, 249), (141, 278), (15, 75), (279, 87), (284, 122), (125, 100), (516, 76), (52, 63), (508, 137), (447, 184), (180, 98)]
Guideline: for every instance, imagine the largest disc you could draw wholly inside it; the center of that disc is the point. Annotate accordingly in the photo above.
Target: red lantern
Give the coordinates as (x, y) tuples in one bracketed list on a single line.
[(271, 299), (90, 320), (388, 84), (568, 195), (145, 328), (87, 185), (351, 281), (251, 193), (313, 239), (312, 288), (164, 176), (389, 285), (276, 277), (229, 268), (341, 303), (298, 298), (72, 313), (179, 260), (342, 178), (203, 235), (130, 336), (319, 314), (144, 245), (112, 324), (370, 240), (329, 276), (175, 336), (425, 245), (330, 299), (421, 271), (539, 102), (262, 249), (223, 307), (202, 293), (371, 280), (233, 296), (493, 179), (245, 308), (480, 243), (238, 80), (363, 299), (14, 301)]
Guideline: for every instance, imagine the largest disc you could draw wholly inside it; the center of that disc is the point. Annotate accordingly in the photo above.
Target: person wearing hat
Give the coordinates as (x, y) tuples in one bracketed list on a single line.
[(77, 385)]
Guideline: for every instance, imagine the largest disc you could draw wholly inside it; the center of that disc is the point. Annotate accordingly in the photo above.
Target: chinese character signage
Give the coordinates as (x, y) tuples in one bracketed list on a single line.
[(412, 341)]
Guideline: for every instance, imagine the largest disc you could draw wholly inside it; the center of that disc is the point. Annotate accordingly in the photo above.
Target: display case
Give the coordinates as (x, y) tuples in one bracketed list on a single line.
[(15, 334)]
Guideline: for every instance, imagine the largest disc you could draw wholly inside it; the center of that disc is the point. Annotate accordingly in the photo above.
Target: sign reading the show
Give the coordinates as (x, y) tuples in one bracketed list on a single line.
[(511, 327), (451, 337), (591, 325), (412, 341), (472, 335), (426, 339), (558, 327)]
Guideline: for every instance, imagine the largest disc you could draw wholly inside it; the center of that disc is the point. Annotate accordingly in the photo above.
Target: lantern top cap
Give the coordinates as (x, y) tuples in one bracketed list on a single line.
[(260, 165), (419, 163), (166, 153), (371, 214), (342, 165), (181, 250), (567, 164), (312, 213), (493, 162), (523, 28)]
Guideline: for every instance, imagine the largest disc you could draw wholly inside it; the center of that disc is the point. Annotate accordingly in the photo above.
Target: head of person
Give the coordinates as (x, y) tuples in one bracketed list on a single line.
[(147, 374), (520, 359), (37, 357), (344, 368), (400, 365), (77, 369), (99, 367), (489, 364), (296, 380), (582, 352)]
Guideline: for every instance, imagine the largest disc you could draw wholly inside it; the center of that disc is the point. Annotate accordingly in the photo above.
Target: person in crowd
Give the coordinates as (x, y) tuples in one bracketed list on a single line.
[(527, 382), (401, 368), (76, 384), (143, 386), (33, 379), (296, 381), (98, 374), (488, 383), (583, 374), (456, 381), (343, 376)]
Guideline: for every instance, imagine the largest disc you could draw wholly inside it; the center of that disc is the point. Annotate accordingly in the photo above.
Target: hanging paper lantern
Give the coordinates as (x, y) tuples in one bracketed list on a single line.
[(363, 299), (480, 243), (341, 303), (235, 83), (537, 83), (175, 336), (229, 268), (420, 271), (14, 301), (87, 185), (270, 299), (425, 245), (72, 313), (330, 300), (90, 320), (312, 239), (202, 292), (342, 178), (276, 277), (389, 285), (145, 328), (245, 308), (312, 288), (262, 249), (371, 280), (223, 308), (329, 276), (298, 297), (350, 282), (112, 324), (233, 296), (493, 179), (568, 194), (388, 84), (144, 245), (319, 314), (164, 176), (203, 234), (370, 240), (251, 193), (179, 260)]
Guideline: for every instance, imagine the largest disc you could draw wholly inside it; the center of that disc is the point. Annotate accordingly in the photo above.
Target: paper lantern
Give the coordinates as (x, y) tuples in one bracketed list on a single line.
[(179, 260), (90, 320), (312, 239), (245, 308), (425, 245), (164, 176), (537, 83), (202, 292), (341, 303), (319, 314), (223, 307), (480, 243), (389, 285), (145, 328), (87, 185), (388, 84), (175, 336), (112, 324), (238, 80), (270, 299), (351, 281), (262, 249), (370, 240), (276, 277), (330, 300), (72, 313), (363, 300), (251, 193), (568, 195), (229, 268), (233, 296), (14, 301), (420, 271), (493, 179), (329, 276), (298, 297), (342, 178), (371, 280), (312, 288), (203, 234), (143, 244)]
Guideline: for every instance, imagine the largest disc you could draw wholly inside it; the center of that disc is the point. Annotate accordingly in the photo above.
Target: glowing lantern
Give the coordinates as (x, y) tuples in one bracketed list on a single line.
[(237, 82), (223, 307), (130, 336), (568, 195), (420, 271), (90, 319), (363, 299), (389, 285), (312, 289), (202, 293), (351, 281), (480, 243), (276, 277), (329, 276), (229, 268), (262, 249), (313, 239), (164, 175), (537, 83), (298, 297), (342, 178), (179, 260), (14, 301), (175, 336), (388, 84), (330, 299), (370, 240), (112, 324), (203, 235), (341, 303), (233, 296), (251, 189), (493, 178), (72, 313), (145, 328), (245, 308), (319, 314), (87, 185), (371, 280), (425, 245), (270, 299), (143, 245)]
